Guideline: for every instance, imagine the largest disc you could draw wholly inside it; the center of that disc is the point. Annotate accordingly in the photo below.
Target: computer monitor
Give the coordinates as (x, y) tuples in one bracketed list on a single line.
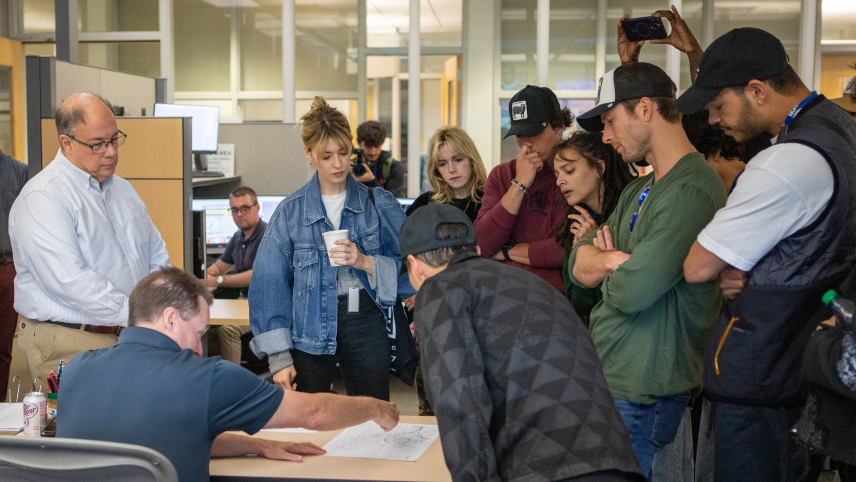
[(206, 124), (268, 205), (219, 225), (405, 202)]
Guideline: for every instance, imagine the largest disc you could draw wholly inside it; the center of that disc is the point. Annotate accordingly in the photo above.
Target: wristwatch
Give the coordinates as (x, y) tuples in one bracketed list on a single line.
[(219, 280), (508, 245)]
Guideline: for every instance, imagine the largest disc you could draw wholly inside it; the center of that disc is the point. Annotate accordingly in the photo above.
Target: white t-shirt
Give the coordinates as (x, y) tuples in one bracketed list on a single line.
[(334, 205), (784, 189)]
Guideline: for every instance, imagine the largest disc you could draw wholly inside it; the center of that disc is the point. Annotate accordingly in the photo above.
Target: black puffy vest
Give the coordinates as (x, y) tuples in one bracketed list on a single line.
[(771, 319)]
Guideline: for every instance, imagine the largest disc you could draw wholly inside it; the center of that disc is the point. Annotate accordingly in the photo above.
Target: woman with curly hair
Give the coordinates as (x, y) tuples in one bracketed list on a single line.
[(590, 176)]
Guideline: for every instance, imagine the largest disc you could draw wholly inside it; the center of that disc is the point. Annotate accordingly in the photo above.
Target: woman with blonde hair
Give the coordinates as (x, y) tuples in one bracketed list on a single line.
[(310, 307), (456, 172)]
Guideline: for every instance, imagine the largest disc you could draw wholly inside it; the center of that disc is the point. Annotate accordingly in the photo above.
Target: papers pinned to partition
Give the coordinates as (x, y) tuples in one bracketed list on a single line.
[(11, 416), (406, 442)]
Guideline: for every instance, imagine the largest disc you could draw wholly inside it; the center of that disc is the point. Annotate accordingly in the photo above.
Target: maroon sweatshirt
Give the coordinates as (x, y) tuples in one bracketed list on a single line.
[(542, 211)]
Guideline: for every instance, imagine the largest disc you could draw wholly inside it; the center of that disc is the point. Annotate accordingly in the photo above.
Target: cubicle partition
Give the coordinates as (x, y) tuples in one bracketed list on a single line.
[(269, 156), (155, 159)]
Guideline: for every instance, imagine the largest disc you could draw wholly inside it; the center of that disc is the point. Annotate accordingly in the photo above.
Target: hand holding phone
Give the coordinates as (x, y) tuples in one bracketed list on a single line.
[(643, 28)]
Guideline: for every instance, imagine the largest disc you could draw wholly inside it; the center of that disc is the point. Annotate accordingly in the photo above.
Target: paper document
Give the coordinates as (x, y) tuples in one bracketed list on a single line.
[(289, 430), (406, 442), (11, 416)]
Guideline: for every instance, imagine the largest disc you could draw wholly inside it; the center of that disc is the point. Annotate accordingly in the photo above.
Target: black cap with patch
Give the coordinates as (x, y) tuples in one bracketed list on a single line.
[(737, 57), (417, 234), (627, 82), (531, 110)]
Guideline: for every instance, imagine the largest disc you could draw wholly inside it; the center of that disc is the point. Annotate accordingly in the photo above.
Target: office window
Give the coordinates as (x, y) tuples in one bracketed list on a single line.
[(201, 41), (325, 36), (118, 15), (261, 110), (141, 58), (440, 23), (517, 37), (839, 21), (780, 18), (39, 16), (387, 23), (573, 42), (261, 47), (48, 49)]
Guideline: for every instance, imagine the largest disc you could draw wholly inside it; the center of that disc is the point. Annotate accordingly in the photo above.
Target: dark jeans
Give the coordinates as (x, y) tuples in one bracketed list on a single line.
[(8, 322), (362, 352), (752, 444), (606, 476)]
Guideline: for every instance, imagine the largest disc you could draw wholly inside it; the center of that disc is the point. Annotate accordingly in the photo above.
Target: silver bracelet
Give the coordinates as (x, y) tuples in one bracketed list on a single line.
[(515, 182)]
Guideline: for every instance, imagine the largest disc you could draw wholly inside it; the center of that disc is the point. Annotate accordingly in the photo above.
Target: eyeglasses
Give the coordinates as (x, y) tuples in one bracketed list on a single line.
[(243, 209), (642, 198), (101, 147)]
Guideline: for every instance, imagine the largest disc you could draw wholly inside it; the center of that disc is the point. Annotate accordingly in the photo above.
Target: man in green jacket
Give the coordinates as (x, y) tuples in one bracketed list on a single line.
[(651, 327)]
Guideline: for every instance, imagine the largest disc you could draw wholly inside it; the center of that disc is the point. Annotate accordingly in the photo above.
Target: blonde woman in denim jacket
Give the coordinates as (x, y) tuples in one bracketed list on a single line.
[(299, 304)]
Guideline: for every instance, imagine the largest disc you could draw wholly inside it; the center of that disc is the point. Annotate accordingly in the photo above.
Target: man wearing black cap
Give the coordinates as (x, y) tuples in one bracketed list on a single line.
[(651, 326), (509, 369), (521, 207), (791, 223)]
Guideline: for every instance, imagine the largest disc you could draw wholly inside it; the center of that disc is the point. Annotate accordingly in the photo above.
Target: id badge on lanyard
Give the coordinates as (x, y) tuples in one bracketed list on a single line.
[(353, 296), (794, 112)]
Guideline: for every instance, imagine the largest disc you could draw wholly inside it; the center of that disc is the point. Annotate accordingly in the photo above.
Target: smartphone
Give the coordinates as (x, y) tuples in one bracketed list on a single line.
[(643, 28)]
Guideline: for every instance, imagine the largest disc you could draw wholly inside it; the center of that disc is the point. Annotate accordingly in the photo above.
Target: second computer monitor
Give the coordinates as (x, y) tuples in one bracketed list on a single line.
[(206, 123)]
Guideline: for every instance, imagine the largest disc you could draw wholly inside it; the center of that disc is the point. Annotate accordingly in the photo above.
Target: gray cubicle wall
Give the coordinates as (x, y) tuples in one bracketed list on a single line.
[(50, 81), (269, 156)]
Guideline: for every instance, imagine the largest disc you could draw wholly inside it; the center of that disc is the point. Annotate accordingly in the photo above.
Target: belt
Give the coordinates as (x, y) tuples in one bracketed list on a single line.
[(99, 329), (6, 258)]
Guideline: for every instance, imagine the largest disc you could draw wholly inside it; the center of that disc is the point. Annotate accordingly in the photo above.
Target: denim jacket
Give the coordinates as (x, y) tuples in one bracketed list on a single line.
[(293, 297)]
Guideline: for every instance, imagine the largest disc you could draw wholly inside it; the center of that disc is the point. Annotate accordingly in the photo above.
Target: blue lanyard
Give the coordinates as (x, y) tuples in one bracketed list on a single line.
[(734, 184), (798, 108)]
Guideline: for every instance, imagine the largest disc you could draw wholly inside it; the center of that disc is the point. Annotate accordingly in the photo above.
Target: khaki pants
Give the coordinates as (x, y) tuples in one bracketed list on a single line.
[(42, 344), (230, 341)]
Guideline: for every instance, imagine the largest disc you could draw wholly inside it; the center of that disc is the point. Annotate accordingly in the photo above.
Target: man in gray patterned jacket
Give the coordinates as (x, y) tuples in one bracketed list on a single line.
[(510, 370)]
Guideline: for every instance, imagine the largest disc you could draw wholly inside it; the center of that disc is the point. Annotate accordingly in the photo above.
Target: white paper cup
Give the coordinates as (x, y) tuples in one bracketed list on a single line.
[(330, 238)]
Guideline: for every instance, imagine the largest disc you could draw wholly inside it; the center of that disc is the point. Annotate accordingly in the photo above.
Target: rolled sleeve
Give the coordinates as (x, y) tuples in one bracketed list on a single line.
[(270, 300)]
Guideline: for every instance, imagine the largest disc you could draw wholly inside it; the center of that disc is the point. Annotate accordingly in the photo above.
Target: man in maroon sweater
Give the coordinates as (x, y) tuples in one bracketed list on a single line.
[(521, 207)]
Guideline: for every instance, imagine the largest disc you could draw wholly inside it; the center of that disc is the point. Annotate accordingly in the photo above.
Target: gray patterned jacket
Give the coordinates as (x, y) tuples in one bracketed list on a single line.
[(514, 378)]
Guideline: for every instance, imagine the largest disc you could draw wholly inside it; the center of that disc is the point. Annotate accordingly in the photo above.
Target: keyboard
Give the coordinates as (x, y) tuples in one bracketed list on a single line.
[(207, 174)]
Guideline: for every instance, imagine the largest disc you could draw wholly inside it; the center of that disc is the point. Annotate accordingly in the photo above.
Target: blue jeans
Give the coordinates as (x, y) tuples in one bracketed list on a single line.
[(652, 426)]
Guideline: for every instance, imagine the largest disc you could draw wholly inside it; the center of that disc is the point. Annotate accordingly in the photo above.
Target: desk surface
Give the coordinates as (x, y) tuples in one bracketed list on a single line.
[(431, 467), (230, 312)]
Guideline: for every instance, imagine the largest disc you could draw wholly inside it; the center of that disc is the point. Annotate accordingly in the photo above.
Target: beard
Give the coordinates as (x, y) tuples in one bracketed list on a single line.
[(749, 123)]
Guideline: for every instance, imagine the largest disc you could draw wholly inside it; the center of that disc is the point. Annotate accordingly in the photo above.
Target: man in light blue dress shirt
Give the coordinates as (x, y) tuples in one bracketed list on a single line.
[(81, 239)]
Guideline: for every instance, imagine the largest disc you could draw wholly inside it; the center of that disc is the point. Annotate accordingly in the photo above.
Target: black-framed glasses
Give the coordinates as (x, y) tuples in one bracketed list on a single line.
[(101, 147), (642, 198), (243, 209)]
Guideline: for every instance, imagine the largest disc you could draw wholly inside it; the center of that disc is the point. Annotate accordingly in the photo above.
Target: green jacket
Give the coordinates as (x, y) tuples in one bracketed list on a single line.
[(651, 326)]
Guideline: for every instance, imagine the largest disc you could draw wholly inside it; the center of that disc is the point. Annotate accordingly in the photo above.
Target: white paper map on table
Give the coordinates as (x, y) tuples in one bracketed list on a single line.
[(406, 442)]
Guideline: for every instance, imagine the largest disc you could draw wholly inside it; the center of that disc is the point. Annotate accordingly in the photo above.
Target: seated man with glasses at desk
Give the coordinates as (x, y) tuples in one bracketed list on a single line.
[(81, 238), (240, 253), (164, 396)]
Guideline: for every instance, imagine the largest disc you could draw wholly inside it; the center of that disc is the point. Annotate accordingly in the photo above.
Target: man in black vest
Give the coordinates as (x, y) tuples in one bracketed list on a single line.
[(786, 235)]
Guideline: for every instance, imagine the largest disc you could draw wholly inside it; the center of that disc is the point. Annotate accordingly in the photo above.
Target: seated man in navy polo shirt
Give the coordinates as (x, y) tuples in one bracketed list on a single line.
[(160, 394), (240, 253)]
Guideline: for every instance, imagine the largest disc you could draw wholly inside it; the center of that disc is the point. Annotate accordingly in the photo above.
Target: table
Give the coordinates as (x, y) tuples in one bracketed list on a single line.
[(431, 467), (230, 312)]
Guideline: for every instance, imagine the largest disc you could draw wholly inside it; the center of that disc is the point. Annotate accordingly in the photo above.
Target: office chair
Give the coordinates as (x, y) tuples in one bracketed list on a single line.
[(54, 459)]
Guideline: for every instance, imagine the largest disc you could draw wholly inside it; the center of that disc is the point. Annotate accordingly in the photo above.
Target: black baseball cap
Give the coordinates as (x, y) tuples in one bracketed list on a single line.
[(531, 110), (627, 82), (417, 233), (737, 57)]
